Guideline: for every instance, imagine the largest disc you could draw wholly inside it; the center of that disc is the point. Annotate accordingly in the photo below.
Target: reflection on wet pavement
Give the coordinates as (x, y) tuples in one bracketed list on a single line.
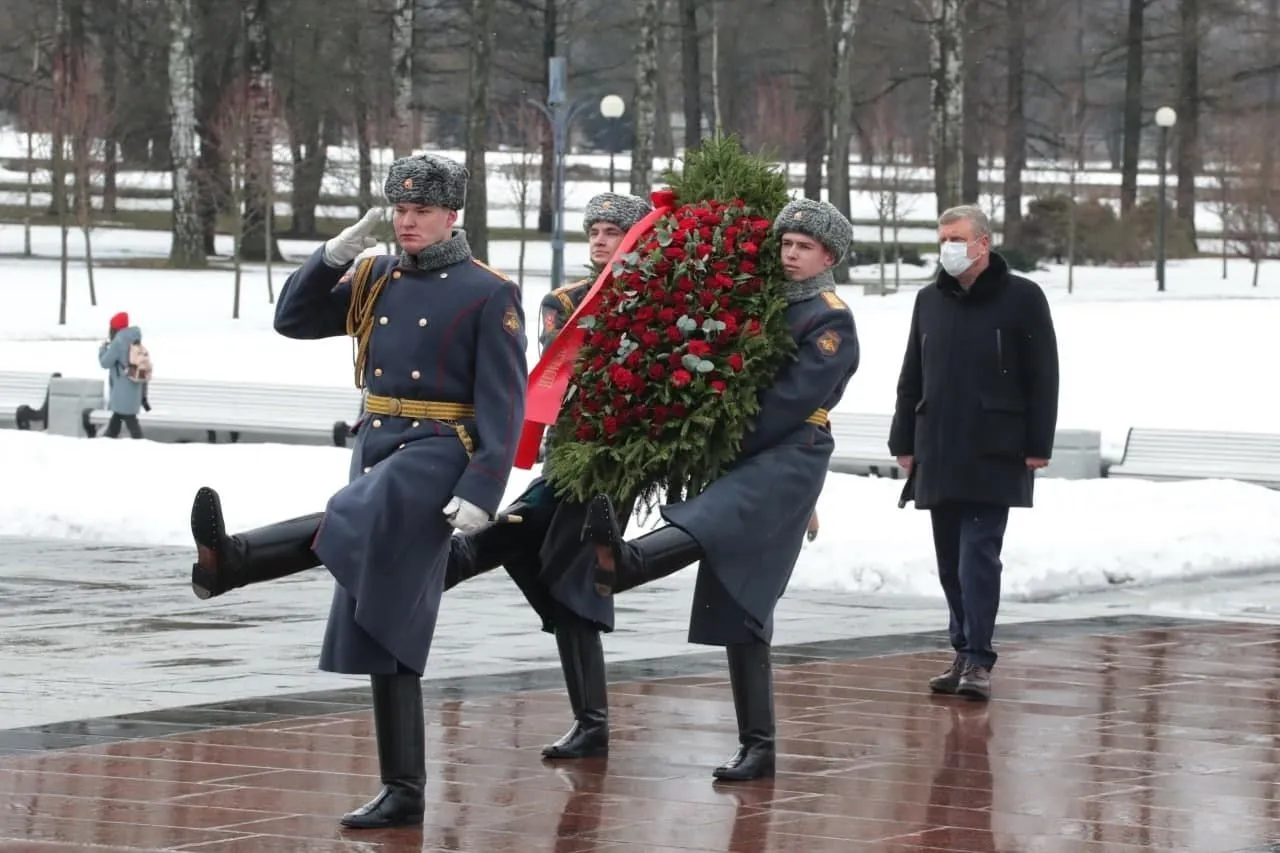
[(1102, 739)]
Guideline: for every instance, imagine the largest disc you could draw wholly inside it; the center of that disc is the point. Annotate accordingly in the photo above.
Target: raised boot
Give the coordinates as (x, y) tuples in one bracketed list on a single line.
[(622, 565), (472, 554), (949, 681), (402, 755), (224, 563), (582, 659), (751, 679)]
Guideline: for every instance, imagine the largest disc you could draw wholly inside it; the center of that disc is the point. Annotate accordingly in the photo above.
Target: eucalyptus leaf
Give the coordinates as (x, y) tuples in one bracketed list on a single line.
[(705, 366), (690, 362), (587, 323)]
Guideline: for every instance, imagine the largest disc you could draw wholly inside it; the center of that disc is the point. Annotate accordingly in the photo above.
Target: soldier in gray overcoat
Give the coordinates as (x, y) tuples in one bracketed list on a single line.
[(441, 354), (746, 528)]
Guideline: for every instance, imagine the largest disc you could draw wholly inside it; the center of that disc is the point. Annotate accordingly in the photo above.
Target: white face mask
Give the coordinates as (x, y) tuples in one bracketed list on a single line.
[(955, 258)]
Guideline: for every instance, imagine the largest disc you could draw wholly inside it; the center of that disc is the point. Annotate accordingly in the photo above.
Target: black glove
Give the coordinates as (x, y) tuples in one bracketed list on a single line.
[(146, 405)]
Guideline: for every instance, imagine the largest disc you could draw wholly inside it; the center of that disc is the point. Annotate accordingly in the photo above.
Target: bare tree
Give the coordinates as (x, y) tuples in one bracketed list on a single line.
[(1187, 164), (946, 78), (233, 128), (526, 129), (187, 247), (402, 23), (1015, 127), (86, 124), (1134, 44), (259, 202), (892, 206), (842, 21), (58, 153), (645, 97), (476, 215), (690, 73)]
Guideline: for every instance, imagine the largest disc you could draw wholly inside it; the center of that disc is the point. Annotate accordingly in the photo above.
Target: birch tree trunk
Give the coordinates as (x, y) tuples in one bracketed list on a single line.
[(946, 66), (110, 11), (645, 98), (475, 217), (58, 155), (186, 250), (402, 18), (842, 18), (259, 242), (1015, 129)]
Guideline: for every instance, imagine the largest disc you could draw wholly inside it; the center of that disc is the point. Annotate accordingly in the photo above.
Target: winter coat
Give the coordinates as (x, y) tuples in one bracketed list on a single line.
[(124, 396), (978, 391)]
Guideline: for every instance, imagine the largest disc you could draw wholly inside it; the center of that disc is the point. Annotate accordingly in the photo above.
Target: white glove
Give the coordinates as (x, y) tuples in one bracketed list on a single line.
[(465, 516), (343, 249)]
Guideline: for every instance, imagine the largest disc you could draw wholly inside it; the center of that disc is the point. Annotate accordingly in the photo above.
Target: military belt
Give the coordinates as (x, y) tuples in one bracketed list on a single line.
[(426, 410), (820, 418)]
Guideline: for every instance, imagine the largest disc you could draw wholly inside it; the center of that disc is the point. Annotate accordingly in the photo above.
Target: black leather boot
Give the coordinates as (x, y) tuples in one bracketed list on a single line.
[(224, 563), (402, 755), (751, 677), (582, 659), (622, 565), (472, 554)]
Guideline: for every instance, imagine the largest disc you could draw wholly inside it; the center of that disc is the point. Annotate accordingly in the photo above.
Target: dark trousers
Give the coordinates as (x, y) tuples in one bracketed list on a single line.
[(967, 539), (130, 422)]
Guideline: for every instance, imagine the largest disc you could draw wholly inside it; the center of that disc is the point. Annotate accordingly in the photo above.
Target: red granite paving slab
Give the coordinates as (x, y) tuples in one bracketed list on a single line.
[(1152, 740)]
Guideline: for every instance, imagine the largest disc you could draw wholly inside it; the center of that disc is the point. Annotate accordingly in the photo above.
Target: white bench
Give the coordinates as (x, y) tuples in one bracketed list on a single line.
[(1173, 454), (862, 445), (295, 414), (22, 389)]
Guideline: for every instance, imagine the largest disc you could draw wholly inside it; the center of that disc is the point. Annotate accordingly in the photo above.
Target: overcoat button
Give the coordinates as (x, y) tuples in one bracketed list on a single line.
[(377, 371), (416, 374), (382, 321), (422, 321), (376, 423)]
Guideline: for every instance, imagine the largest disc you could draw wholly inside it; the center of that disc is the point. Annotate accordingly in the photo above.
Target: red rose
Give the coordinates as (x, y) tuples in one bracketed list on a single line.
[(650, 339), (717, 385), (753, 327), (707, 298), (663, 198), (610, 424), (687, 223), (633, 360), (685, 284), (585, 432), (667, 316), (661, 414), (719, 266), (729, 246), (680, 410), (750, 249), (731, 232), (747, 267), (720, 281), (681, 378), (703, 250), (656, 371), (674, 252), (674, 334), (701, 349), (705, 232), (598, 363), (735, 362), (674, 360)]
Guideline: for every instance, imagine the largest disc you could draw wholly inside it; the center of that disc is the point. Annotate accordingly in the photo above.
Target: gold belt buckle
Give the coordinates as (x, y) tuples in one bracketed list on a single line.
[(395, 406)]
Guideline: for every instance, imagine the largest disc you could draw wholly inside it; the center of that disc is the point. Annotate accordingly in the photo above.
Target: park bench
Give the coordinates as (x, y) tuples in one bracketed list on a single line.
[(862, 445), (1175, 454), (24, 398), (290, 414)]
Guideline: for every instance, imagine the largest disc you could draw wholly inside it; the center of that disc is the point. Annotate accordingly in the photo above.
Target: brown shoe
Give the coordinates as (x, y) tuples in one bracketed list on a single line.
[(948, 681), (975, 683)]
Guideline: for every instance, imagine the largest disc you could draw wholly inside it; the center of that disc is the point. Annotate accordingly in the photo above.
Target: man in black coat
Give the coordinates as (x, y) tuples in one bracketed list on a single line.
[(975, 419)]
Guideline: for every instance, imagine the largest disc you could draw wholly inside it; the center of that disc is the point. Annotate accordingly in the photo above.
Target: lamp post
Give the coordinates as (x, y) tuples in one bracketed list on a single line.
[(1166, 117), (612, 107), (560, 113)]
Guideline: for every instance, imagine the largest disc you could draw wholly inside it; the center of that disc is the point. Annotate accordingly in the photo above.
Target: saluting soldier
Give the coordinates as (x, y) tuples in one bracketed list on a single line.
[(440, 352), (748, 526)]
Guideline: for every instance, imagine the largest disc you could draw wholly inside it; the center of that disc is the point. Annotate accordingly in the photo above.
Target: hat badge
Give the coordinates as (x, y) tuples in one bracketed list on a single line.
[(408, 183), (605, 205), (799, 214)]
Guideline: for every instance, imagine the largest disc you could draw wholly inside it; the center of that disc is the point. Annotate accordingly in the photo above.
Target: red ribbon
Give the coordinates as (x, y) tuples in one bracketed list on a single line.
[(549, 379)]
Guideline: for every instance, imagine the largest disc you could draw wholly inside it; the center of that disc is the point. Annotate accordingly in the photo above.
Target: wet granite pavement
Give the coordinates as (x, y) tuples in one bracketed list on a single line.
[(133, 717)]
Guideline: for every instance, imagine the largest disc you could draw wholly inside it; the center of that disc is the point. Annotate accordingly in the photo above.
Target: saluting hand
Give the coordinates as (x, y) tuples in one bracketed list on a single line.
[(354, 239)]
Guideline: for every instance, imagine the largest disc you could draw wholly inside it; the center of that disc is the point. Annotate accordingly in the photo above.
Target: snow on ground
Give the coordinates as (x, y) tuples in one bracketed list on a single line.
[(1190, 357), (1083, 535)]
